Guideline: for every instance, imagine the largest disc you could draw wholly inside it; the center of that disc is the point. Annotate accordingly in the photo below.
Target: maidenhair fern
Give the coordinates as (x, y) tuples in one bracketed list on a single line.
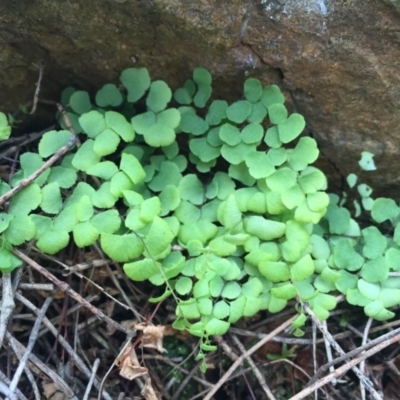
[(215, 203)]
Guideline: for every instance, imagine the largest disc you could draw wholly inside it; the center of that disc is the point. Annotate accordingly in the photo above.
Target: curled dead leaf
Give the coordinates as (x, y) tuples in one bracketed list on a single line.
[(152, 336)]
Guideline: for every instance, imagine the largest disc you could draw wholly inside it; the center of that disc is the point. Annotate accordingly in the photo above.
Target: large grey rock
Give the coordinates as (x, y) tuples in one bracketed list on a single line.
[(336, 59)]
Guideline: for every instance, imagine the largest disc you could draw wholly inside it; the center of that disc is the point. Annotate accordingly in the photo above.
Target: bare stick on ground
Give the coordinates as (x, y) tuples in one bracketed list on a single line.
[(244, 356), (363, 379), (343, 369), (7, 305), (74, 356), (67, 289), (31, 343), (256, 371)]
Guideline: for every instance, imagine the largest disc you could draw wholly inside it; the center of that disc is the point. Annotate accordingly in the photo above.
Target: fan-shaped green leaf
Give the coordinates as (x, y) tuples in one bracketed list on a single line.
[(52, 141), (159, 237), (86, 156), (121, 248), (252, 90), (118, 123), (106, 143), (192, 123), (51, 198), (217, 327), (159, 96), (159, 135), (259, 164), (305, 152), (229, 134), (9, 261), (237, 154), (202, 95), (170, 117), (85, 234), (375, 242), (271, 95), (107, 221), (291, 128), (284, 292), (183, 285), (367, 162), (191, 189), (375, 270), (239, 111), (142, 269), (182, 96), (104, 170), (53, 241), (345, 257), (302, 269), (80, 102), (103, 198), (20, 229), (252, 133), (136, 81), (216, 112), (120, 182), (221, 309), (92, 123), (25, 201), (369, 290), (109, 95), (202, 149), (281, 179), (5, 220), (312, 179), (263, 228), (277, 113), (384, 209), (65, 177)]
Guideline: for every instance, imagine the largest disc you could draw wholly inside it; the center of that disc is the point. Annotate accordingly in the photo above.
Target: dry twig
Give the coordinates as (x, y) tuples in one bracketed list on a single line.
[(248, 353), (31, 343), (343, 369), (64, 287), (363, 379)]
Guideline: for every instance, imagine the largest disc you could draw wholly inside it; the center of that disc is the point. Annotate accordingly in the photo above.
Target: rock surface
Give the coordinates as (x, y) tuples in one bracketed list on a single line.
[(336, 59)]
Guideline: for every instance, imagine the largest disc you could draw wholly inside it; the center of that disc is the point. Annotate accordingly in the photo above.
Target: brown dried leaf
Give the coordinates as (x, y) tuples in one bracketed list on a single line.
[(129, 365), (49, 389), (148, 391), (152, 336)]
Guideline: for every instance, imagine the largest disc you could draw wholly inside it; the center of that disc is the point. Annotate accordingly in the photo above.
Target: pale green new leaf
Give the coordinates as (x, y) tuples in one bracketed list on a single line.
[(121, 248), (263, 228), (118, 123), (302, 269), (85, 234), (159, 237), (85, 157), (132, 168), (106, 143), (217, 327), (104, 170), (52, 241), (142, 269)]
